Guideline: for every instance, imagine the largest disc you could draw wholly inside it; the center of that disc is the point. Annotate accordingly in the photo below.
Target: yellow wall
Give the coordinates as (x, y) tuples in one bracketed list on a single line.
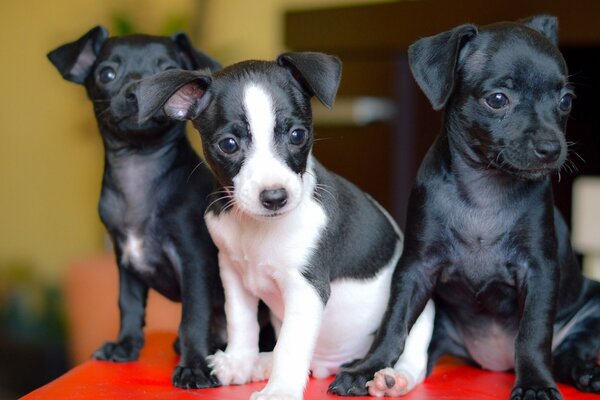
[(50, 151)]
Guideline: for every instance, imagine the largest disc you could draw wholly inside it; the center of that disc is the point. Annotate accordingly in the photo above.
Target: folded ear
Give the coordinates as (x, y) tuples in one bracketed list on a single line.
[(317, 74), (193, 58), (75, 60), (180, 94), (547, 25), (433, 61)]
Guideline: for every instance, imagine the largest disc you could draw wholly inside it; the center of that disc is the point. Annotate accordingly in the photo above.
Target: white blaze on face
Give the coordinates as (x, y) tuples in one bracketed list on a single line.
[(263, 168)]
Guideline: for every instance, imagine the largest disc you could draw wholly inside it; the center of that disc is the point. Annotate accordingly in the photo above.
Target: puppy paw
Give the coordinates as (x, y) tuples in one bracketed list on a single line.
[(274, 394), (193, 377), (389, 383), (320, 372), (262, 369), (233, 369), (521, 393), (124, 350), (351, 383), (586, 377)]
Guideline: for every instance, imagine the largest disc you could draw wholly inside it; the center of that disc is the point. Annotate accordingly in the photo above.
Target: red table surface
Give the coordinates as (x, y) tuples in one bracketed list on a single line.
[(150, 378)]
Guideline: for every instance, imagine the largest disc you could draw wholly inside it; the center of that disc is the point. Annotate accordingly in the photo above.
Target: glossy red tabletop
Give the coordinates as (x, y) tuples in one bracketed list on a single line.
[(150, 378)]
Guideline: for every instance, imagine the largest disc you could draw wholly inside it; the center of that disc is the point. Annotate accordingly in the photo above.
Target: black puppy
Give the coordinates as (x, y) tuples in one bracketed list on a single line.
[(483, 236), (154, 193)]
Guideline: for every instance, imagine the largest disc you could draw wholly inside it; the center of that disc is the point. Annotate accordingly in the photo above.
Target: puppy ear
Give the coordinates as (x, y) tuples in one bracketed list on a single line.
[(180, 94), (75, 60), (547, 25), (317, 74), (433, 61), (193, 58)]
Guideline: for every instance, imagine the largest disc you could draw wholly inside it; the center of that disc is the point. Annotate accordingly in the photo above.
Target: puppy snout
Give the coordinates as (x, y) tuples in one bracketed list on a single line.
[(273, 199), (547, 150), (131, 99)]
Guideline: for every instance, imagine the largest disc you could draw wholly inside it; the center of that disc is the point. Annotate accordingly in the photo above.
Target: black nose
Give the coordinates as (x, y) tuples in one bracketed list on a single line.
[(547, 150), (273, 199), (131, 99)]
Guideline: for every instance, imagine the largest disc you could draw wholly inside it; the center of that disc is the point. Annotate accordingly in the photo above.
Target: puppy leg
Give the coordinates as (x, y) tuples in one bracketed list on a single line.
[(533, 344), (408, 298), (445, 340), (132, 306), (410, 370), (296, 340), (235, 365), (199, 270), (576, 358)]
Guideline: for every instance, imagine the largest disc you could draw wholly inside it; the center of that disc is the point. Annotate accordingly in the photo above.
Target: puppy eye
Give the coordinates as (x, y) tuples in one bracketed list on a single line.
[(298, 137), (565, 103), (497, 101), (229, 145), (107, 74)]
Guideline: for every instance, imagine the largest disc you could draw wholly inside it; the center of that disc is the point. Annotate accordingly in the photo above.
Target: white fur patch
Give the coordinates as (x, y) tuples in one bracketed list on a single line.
[(413, 361), (133, 253), (411, 367), (264, 259), (494, 349), (263, 169), (353, 313)]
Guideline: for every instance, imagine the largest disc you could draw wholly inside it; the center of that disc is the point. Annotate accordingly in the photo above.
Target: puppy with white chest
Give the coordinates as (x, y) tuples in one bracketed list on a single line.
[(317, 250), (483, 234), (153, 197)]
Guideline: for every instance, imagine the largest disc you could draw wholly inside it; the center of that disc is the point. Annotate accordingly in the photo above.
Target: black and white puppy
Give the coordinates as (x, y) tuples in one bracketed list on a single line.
[(317, 250), (483, 236), (154, 193)]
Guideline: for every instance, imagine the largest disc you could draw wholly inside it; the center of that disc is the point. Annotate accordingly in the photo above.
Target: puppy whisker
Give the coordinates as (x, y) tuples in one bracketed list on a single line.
[(102, 114), (498, 160), (194, 170), (578, 156), (225, 192), (216, 201), (323, 138), (228, 205), (321, 189)]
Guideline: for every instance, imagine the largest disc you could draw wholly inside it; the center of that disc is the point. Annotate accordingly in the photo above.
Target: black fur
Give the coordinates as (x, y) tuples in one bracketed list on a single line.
[(483, 236), (154, 186)]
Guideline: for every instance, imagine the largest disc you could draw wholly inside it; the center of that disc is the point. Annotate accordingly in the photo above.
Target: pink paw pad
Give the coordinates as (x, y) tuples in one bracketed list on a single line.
[(389, 383)]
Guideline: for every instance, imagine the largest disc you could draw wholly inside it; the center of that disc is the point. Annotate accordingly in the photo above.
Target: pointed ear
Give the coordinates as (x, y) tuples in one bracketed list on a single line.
[(180, 94), (433, 61), (317, 74), (547, 25), (75, 60), (193, 58)]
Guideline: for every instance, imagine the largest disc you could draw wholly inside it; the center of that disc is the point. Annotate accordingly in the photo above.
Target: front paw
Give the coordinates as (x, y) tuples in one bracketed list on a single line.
[(194, 377), (233, 368), (275, 394), (389, 383), (124, 350), (521, 393), (351, 383), (586, 377)]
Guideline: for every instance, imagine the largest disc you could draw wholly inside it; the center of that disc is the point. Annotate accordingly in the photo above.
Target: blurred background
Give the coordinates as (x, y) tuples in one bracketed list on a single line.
[(57, 275)]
